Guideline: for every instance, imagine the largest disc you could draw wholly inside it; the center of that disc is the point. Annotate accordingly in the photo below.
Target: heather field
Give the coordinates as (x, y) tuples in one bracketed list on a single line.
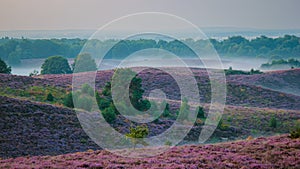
[(38, 132), (263, 152)]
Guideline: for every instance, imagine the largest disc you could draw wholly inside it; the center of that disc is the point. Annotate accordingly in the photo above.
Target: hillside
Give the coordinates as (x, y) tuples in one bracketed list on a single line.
[(33, 128), (276, 89), (31, 125), (271, 152), (286, 81)]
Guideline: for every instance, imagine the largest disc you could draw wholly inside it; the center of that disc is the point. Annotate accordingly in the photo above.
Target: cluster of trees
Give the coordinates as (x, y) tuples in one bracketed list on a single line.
[(230, 71), (59, 65), (272, 48), (12, 50), (293, 63)]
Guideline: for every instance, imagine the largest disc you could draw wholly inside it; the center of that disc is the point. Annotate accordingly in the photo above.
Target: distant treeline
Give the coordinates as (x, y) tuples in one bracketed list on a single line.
[(292, 63), (12, 50)]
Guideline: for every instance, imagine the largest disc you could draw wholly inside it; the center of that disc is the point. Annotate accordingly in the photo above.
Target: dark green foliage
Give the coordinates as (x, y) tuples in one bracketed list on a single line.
[(293, 63), (68, 100), (4, 68), (84, 63), (109, 114), (104, 99), (236, 46), (166, 112), (50, 97), (273, 122), (230, 71), (200, 112), (56, 65)]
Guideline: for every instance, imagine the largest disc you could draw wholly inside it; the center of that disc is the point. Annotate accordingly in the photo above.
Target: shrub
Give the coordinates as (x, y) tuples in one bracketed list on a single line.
[(68, 100), (166, 112), (136, 134), (200, 112), (50, 97), (109, 114)]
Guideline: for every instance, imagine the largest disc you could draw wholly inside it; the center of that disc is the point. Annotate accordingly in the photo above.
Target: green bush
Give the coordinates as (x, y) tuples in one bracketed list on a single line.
[(200, 112), (68, 100), (50, 97), (109, 114), (166, 112), (137, 134)]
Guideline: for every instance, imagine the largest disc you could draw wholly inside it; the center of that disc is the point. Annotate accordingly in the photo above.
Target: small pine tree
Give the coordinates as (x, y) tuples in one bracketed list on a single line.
[(50, 97), (201, 113)]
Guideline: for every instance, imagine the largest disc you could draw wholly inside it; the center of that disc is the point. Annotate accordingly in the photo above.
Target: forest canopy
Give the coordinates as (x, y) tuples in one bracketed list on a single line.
[(12, 50)]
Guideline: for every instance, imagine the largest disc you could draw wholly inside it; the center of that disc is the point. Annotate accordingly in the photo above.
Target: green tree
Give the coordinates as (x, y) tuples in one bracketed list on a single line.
[(68, 100), (137, 134), (56, 65), (4, 68), (109, 114), (200, 112), (84, 63), (50, 97)]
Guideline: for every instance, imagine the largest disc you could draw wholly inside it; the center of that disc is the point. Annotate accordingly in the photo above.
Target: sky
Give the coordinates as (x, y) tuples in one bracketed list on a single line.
[(92, 14)]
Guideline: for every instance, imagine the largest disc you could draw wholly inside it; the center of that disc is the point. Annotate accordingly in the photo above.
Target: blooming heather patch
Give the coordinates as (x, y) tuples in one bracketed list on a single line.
[(272, 152)]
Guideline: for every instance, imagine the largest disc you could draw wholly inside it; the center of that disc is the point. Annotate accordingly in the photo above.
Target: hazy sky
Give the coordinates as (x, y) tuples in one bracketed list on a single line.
[(91, 14)]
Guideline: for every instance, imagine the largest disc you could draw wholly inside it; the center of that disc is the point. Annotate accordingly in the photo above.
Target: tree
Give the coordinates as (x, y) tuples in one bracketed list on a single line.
[(137, 134), (4, 68), (109, 114), (68, 100), (56, 65), (84, 63), (200, 112), (50, 97)]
